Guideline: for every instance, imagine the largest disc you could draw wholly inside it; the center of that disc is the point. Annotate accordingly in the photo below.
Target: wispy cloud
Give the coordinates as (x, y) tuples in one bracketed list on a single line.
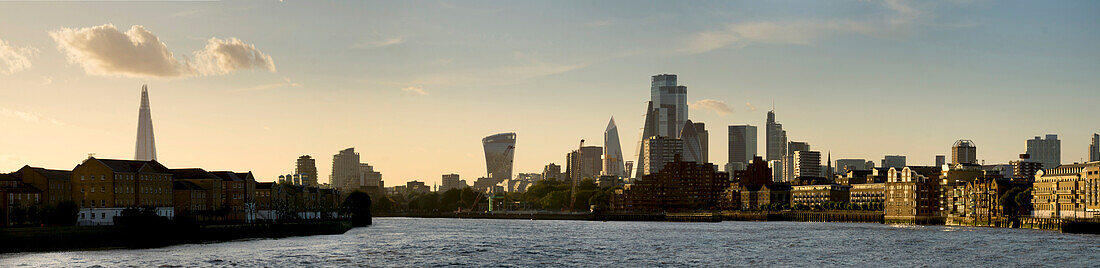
[(598, 23), (285, 83), (523, 67), (750, 106), (715, 106), (14, 59), (380, 43), (28, 116), (415, 90), (801, 32), (104, 50)]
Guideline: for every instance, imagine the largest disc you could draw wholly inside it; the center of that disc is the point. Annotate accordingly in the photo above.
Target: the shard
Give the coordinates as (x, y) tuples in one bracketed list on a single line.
[(146, 146), (612, 152)]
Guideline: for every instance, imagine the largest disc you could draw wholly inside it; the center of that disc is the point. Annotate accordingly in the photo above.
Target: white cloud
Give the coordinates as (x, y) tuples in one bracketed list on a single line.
[(380, 43), (14, 59), (106, 51), (226, 56), (416, 90), (46, 80), (803, 32), (715, 106)]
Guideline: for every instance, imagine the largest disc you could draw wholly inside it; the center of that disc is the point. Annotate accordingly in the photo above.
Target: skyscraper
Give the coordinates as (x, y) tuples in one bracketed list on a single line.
[(795, 146), (1094, 148), (806, 164), (146, 148), (499, 154), (670, 101), (612, 152), (306, 166), (893, 161), (693, 147), (451, 181), (704, 141), (940, 160), (553, 171), (345, 169), (775, 139), (742, 145), (1046, 150), (845, 165), (666, 114), (964, 152)]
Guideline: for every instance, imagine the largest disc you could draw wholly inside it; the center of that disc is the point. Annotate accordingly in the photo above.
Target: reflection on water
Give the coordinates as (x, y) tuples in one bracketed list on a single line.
[(476, 242)]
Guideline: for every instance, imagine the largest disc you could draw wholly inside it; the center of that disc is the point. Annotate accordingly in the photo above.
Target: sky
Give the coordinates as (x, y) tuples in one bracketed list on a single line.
[(413, 86)]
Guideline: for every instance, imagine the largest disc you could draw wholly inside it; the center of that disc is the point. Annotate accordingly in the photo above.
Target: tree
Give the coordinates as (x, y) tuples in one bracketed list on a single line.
[(1023, 201), (555, 200), (384, 204), (358, 205)]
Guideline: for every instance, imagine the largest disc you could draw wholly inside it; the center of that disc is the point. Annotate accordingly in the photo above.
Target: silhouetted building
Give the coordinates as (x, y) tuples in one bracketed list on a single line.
[(55, 184), (451, 181), (553, 171), (775, 139), (1046, 150), (941, 160), (584, 163), (345, 170), (679, 186), (1094, 148), (845, 165), (742, 144), (306, 166), (893, 161), (104, 187)]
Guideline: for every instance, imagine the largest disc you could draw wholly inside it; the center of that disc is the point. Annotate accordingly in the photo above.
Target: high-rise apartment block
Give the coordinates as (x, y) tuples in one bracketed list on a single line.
[(658, 151), (584, 163), (1094, 148), (1047, 150), (806, 164), (964, 152), (345, 169), (451, 181), (306, 167)]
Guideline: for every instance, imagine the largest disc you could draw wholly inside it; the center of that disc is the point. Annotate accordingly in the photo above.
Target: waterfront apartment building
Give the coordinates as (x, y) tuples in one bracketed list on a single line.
[(679, 186), (912, 195), (815, 195), (953, 180), (982, 201), (345, 169), (54, 184), (806, 164), (742, 145), (239, 193), (193, 181), (1067, 191), (1046, 150), (306, 166), (758, 197), (659, 151), (104, 187), (868, 194), (15, 194), (1024, 168)]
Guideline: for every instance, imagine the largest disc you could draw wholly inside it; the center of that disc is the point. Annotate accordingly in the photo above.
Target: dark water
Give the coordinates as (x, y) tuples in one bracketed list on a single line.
[(469, 242)]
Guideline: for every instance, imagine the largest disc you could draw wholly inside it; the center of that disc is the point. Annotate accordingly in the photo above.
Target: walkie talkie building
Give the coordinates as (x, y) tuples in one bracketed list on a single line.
[(499, 154)]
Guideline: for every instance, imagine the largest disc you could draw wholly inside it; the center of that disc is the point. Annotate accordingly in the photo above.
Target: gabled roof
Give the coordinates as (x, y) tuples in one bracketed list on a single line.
[(192, 174), (185, 185), (132, 166), (51, 174), (264, 185), (227, 175)]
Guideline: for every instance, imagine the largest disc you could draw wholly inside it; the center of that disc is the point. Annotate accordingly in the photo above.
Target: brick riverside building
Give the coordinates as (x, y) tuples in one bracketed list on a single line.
[(679, 186), (912, 195), (54, 184), (104, 187)]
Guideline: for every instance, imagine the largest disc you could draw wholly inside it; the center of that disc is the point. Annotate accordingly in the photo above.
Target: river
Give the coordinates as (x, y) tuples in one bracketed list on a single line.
[(485, 242)]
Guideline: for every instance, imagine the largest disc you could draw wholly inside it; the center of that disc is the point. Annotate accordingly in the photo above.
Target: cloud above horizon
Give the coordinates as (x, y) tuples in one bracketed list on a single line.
[(415, 90), (14, 59), (712, 105), (105, 51), (799, 32)]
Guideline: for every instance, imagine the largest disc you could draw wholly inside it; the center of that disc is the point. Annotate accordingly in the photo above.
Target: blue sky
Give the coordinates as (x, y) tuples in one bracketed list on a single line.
[(414, 85)]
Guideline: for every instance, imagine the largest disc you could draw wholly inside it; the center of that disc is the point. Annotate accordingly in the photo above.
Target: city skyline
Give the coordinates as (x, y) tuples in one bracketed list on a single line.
[(62, 104)]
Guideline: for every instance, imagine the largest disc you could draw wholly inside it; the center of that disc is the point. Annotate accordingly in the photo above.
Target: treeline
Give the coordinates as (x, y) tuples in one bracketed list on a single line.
[(62, 214), (550, 194)]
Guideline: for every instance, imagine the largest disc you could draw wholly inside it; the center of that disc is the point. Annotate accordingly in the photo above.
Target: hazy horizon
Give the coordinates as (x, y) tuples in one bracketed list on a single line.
[(414, 86)]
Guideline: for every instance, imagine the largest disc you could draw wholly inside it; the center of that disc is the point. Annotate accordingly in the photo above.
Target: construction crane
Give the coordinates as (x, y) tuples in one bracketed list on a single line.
[(580, 169)]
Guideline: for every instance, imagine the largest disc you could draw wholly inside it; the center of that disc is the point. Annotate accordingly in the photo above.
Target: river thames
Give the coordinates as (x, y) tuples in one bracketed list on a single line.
[(479, 242)]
